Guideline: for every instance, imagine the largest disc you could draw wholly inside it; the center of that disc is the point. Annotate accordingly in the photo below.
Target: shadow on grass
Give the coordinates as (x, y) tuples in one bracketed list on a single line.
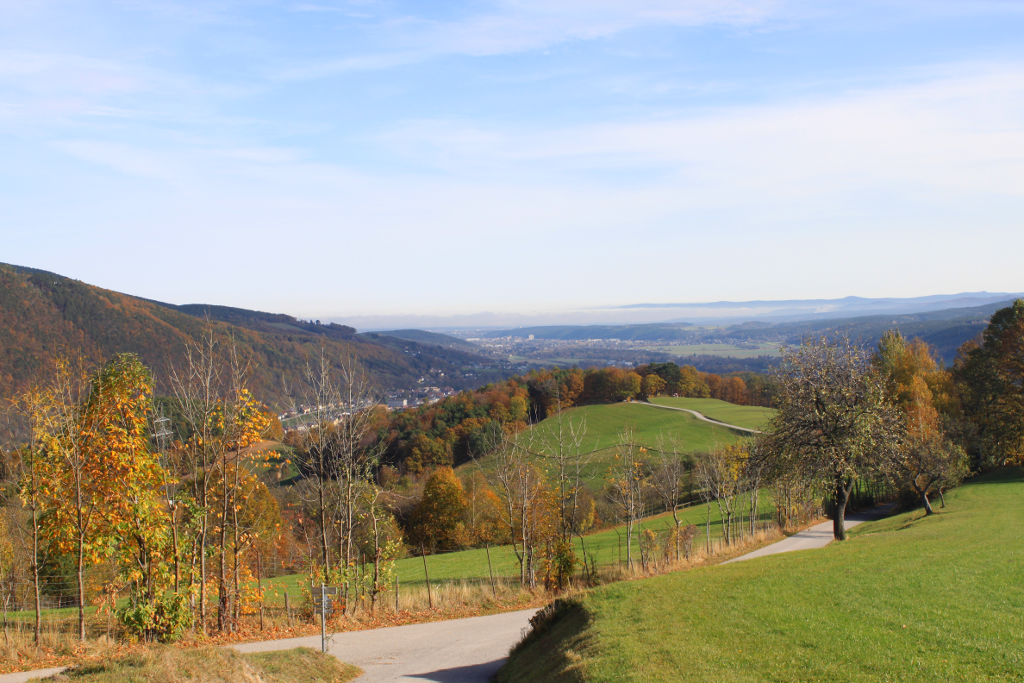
[(462, 674), (553, 651)]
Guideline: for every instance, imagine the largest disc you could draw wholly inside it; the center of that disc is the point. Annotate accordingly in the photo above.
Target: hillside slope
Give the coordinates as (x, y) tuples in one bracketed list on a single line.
[(907, 599), (43, 315)]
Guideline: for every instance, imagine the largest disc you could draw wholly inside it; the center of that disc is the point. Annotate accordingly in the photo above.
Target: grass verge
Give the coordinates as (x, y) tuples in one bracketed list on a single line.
[(213, 665), (910, 598)]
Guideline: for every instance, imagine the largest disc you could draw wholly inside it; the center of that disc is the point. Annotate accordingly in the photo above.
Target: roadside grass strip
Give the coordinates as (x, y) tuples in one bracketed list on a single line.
[(213, 665), (908, 598)]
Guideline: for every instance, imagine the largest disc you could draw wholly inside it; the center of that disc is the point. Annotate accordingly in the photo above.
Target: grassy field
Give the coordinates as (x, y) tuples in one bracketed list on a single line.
[(215, 665), (751, 417), (725, 350), (608, 547), (909, 598), (605, 422)]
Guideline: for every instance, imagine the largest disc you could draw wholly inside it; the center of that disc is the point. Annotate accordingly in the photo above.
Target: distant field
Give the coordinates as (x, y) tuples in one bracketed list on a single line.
[(604, 422), (725, 350), (910, 598), (751, 417)]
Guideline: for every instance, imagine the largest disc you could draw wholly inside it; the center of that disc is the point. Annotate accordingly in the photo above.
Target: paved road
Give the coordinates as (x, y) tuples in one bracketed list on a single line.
[(817, 536), (23, 676), (700, 416), (456, 651)]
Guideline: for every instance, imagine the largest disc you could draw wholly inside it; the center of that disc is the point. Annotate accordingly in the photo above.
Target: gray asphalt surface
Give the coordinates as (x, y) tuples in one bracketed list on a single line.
[(23, 676), (456, 651), (700, 416), (817, 536)]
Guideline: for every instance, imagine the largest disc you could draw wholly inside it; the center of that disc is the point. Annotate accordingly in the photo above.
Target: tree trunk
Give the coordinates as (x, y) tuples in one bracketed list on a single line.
[(843, 488), (35, 577), (79, 571), (942, 498), (927, 503)]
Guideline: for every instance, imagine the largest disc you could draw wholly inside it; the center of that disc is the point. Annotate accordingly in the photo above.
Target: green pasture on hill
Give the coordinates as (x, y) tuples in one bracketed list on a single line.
[(605, 422), (909, 598), (608, 547), (751, 417)]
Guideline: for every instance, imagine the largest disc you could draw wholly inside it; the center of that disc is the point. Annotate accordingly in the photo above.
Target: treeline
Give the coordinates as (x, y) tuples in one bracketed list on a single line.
[(457, 429)]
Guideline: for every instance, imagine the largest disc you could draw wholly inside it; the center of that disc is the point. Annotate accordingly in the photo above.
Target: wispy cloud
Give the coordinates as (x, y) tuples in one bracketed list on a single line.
[(929, 132)]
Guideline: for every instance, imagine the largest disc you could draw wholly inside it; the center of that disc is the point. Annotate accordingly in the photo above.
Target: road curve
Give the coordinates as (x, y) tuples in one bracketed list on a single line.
[(455, 651), (700, 416)]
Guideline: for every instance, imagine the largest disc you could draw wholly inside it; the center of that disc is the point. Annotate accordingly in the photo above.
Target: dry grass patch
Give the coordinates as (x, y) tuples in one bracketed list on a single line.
[(213, 665)]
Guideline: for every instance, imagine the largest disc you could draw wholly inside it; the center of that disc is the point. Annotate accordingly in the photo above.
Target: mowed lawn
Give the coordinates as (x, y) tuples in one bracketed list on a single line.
[(907, 599), (751, 417)]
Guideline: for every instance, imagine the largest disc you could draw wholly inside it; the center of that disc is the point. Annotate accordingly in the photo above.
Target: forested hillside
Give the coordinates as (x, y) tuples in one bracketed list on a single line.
[(43, 315)]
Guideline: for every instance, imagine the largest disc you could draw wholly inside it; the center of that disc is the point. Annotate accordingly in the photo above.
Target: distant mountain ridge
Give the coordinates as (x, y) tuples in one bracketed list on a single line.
[(793, 310), (946, 330), (43, 315)]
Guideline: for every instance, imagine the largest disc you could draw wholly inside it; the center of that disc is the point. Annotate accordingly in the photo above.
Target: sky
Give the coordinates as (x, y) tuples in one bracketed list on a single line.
[(342, 160)]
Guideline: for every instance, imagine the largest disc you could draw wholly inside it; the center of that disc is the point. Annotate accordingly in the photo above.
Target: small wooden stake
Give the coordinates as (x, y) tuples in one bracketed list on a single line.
[(494, 590), (430, 597)]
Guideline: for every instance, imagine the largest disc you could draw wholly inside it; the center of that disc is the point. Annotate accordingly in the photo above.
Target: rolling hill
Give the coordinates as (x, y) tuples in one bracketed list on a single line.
[(43, 315)]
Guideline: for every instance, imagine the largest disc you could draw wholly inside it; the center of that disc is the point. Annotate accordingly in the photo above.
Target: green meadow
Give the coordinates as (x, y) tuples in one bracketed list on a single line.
[(909, 598), (604, 423), (751, 417)]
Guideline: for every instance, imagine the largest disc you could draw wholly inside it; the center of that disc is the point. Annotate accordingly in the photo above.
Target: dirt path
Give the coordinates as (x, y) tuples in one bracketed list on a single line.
[(700, 416), (817, 536)]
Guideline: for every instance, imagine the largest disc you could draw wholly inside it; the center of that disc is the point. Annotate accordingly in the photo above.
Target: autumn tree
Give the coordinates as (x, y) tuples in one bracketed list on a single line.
[(926, 460), (437, 520), (990, 379), (652, 385), (222, 418), (834, 421)]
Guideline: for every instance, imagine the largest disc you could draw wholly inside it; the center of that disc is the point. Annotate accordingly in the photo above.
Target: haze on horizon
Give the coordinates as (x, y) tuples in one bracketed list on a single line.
[(347, 159)]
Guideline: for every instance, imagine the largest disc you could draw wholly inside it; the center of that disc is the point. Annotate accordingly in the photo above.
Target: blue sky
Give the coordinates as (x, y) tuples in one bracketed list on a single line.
[(348, 159)]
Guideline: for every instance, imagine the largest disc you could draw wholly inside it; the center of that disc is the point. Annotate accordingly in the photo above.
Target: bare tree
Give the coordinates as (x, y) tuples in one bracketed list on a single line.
[(357, 456), (198, 389), (723, 480), (30, 410), (316, 456), (627, 485), (520, 488), (671, 469)]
